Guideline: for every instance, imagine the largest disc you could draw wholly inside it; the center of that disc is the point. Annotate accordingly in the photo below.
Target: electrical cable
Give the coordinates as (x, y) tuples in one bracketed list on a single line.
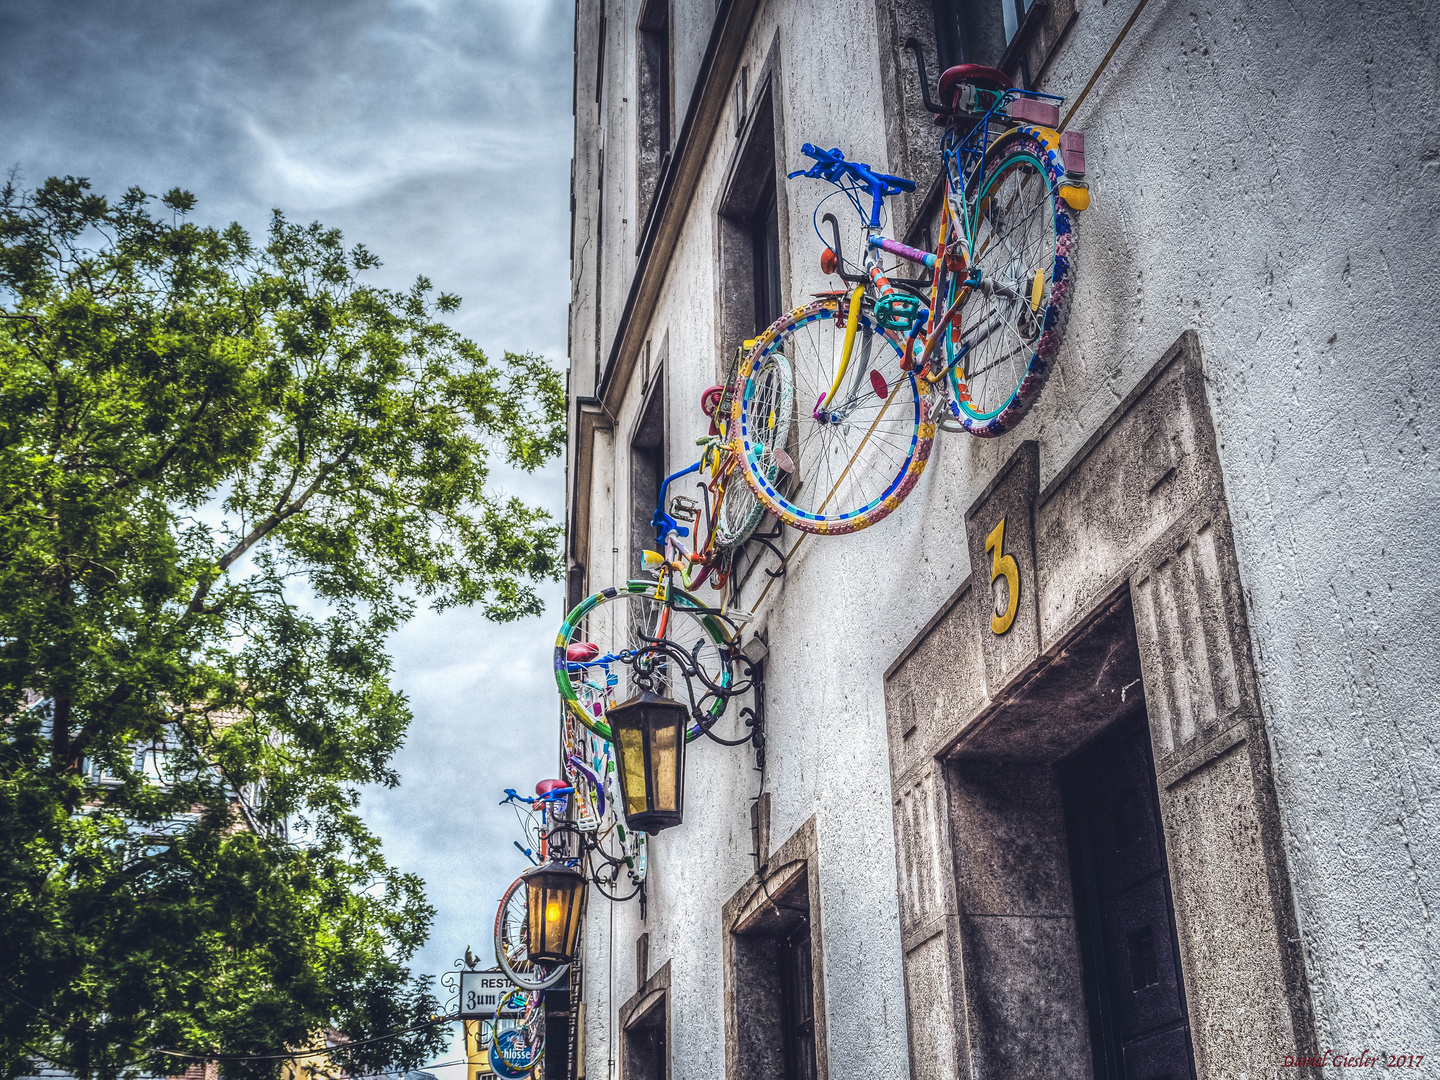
[(1103, 64), (432, 1022)]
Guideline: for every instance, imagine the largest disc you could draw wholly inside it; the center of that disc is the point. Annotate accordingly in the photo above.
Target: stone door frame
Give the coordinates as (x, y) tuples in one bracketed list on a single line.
[(1137, 518)]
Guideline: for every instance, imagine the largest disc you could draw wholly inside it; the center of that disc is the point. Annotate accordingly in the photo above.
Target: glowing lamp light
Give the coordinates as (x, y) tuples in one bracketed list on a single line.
[(554, 903), (649, 736)]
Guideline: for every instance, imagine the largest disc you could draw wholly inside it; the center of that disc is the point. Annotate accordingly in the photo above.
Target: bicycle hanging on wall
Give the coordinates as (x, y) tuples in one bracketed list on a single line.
[(969, 345)]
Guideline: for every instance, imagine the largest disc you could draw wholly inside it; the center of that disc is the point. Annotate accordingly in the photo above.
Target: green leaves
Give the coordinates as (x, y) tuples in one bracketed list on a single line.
[(228, 471)]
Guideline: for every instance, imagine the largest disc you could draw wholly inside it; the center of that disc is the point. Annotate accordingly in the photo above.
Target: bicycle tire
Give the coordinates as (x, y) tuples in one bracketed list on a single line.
[(511, 930), (502, 1049), (588, 624), (997, 330), (740, 511), (852, 465)]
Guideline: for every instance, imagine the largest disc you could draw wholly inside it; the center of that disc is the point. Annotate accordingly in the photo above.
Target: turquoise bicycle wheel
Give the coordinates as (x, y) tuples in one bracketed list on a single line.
[(1001, 345)]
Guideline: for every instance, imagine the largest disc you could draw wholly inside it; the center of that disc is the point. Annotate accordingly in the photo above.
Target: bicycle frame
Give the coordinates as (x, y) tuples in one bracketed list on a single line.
[(965, 158)]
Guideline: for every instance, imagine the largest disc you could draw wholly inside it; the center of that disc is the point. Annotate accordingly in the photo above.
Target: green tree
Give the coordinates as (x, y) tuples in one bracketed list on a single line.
[(227, 471)]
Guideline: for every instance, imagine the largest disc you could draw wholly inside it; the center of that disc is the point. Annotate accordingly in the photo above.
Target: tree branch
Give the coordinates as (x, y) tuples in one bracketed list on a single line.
[(264, 528)]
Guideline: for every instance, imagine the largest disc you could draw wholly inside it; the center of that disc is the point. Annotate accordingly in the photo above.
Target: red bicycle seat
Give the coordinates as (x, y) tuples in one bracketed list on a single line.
[(582, 651), (987, 78), (544, 787)]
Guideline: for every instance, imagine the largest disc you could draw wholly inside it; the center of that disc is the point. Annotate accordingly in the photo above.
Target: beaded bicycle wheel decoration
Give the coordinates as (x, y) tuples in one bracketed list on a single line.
[(857, 441), (596, 649), (1000, 347)]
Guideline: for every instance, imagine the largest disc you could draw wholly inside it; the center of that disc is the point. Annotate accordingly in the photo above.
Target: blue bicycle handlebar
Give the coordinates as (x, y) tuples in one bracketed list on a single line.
[(831, 165), (555, 795)]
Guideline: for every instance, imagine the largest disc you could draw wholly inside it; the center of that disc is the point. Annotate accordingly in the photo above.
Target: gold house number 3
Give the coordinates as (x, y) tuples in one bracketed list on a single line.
[(1007, 593)]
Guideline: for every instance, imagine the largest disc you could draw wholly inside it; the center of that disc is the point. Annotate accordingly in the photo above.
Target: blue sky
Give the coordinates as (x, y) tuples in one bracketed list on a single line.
[(436, 132)]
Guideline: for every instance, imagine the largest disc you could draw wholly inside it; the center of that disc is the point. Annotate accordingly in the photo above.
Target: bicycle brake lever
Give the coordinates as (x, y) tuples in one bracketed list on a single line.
[(853, 279)]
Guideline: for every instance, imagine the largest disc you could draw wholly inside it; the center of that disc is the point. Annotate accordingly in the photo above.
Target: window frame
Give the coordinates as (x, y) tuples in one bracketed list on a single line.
[(654, 107), (759, 1045), (639, 1013)]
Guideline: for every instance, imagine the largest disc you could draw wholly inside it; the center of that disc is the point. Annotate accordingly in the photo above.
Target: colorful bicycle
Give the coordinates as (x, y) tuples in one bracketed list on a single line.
[(512, 926), (969, 344), (516, 1050)]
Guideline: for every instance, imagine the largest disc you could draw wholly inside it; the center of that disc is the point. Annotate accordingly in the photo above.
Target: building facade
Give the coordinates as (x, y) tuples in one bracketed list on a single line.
[(1179, 819)]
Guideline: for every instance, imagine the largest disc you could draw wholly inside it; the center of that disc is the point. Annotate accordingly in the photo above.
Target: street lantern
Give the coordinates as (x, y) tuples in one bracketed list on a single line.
[(649, 735), (554, 896)]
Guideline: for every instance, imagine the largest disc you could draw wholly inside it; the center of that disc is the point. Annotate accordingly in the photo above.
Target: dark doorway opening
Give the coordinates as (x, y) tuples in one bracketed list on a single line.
[(645, 1056), (773, 957), (1124, 912)]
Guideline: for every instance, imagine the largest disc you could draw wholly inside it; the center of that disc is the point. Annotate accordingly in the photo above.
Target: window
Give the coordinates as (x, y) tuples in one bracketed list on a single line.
[(751, 291), (652, 103), (765, 254), (771, 955), (977, 31), (647, 471), (645, 1030)]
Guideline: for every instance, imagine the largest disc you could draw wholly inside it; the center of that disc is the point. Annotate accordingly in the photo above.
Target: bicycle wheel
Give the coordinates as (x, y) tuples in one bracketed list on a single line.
[(1000, 347), (847, 466), (590, 651), (740, 511), (512, 934), (515, 1052)]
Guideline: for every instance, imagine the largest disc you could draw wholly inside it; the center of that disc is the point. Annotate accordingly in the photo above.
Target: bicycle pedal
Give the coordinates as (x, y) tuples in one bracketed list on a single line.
[(684, 509), (739, 616), (898, 311)]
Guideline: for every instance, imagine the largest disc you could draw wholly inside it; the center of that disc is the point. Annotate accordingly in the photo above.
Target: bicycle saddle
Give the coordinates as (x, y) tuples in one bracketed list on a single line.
[(544, 787), (987, 78)]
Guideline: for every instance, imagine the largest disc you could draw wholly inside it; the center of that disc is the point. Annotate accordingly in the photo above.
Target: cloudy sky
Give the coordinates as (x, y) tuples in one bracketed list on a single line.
[(437, 132)]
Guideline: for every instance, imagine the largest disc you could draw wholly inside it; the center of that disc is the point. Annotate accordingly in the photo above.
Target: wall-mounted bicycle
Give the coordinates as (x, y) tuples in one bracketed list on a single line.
[(970, 344)]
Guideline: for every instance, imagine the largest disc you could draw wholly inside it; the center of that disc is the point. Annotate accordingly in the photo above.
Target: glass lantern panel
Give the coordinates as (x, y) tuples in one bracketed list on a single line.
[(664, 761), (630, 745)]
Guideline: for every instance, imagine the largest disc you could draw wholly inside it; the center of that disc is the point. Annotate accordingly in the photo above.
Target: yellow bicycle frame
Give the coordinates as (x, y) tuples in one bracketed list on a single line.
[(852, 323)]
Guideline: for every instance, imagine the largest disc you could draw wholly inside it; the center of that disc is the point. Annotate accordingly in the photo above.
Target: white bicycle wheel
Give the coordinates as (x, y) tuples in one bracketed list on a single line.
[(512, 935), (740, 511)]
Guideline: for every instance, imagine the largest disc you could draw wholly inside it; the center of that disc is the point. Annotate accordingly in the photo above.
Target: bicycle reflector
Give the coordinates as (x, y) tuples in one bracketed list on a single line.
[(649, 734), (554, 899), (828, 262)]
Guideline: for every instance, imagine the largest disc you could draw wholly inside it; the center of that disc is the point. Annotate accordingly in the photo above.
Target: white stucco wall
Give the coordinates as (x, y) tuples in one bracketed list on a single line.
[(1268, 175)]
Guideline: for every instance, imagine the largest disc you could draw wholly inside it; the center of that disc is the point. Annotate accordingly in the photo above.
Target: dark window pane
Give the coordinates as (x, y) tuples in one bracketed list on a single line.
[(976, 31), (765, 246), (653, 101), (647, 472), (1143, 972)]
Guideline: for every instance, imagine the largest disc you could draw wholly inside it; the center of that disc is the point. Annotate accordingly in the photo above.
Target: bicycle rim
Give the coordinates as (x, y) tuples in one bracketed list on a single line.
[(618, 620), (512, 931), (740, 511), (856, 462), (1008, 330), (515, 1052)]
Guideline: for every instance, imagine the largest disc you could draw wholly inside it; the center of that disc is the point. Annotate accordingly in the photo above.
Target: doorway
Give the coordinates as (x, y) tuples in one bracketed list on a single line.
[(1124, 913)]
